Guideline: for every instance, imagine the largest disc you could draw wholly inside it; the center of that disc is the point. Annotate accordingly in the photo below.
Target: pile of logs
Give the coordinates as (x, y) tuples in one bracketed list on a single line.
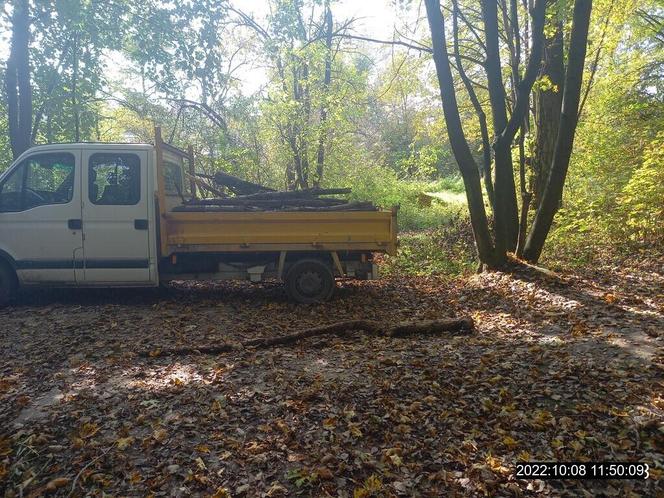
[(247, 196)]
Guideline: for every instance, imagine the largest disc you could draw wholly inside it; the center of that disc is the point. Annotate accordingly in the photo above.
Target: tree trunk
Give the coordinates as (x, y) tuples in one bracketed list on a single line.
[(327, 79), (548, 103), (74, 92), (17, 81), (566, 130), (505, 212), (467, 165), (481, 116)]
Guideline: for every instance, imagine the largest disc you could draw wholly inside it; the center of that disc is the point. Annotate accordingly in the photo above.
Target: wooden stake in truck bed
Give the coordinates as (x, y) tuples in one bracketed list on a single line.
[(120, 215)]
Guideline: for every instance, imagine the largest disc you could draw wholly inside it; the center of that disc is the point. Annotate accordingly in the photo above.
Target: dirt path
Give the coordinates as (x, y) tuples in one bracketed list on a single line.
[(555, 372)]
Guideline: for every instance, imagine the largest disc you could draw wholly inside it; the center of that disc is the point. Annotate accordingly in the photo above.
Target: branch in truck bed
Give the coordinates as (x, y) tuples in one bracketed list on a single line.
[(239, 201), (296, 194), (237, 185), (214, 205), (453, 326)]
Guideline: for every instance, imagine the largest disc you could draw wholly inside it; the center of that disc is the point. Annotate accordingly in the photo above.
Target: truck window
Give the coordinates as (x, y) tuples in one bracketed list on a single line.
[(39, 180), (114, 179), (173, 178)]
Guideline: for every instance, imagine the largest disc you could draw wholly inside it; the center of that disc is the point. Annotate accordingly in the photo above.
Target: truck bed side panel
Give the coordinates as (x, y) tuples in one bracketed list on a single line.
[(352, 230)]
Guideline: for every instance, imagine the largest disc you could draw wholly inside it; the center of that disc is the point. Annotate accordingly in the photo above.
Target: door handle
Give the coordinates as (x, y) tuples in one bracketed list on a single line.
[(75, 224), (141, 224)]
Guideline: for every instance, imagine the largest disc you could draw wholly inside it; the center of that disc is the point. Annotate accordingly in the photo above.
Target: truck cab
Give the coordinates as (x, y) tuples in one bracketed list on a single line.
[(79, 215)]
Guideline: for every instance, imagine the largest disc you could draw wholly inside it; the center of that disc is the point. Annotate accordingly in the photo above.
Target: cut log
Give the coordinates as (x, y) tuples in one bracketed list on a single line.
[(239, 186), (453, 326), (351, 206), (202, 185), (268, 203), (297, 194)]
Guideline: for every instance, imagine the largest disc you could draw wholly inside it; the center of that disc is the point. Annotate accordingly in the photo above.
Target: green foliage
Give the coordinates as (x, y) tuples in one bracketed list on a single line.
[(384, 133), (613, 199), (446, 250), (642, 200)]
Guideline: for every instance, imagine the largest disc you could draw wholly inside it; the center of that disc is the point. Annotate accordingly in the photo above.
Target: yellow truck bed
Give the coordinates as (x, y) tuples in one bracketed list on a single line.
[(181, 231), (373, 231)]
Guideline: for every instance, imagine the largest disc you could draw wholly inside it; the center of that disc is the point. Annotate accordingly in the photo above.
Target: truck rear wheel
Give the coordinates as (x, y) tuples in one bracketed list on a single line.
[(7, 283), (310, 281)]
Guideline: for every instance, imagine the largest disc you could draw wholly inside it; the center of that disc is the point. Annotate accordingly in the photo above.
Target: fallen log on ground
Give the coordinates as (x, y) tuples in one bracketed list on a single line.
[(456, 326)]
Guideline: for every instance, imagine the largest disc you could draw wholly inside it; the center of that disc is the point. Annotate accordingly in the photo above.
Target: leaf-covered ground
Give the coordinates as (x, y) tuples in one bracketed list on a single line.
[(557, 370)]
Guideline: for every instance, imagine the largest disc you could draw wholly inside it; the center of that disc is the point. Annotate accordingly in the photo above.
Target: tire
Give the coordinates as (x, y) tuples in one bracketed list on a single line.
[(310, 281), (7, 284)]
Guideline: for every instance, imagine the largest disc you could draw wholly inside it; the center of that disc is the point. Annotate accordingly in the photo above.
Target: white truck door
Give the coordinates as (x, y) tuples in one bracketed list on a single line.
[(116, 231), (40, 216)]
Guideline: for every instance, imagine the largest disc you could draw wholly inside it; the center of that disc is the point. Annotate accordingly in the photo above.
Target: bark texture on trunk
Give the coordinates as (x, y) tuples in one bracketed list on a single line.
[(17, 81), (566, 130), (548, 104)]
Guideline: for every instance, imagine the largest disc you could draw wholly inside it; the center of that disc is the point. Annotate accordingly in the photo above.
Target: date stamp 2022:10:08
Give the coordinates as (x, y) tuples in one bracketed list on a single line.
[(582, 470)]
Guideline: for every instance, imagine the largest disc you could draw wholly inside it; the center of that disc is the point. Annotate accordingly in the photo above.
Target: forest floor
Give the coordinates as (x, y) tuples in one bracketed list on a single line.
[(557, 369)]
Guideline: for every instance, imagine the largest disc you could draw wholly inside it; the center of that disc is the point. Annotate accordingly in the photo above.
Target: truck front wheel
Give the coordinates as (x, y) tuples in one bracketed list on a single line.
[(310, 281), (7, 283)]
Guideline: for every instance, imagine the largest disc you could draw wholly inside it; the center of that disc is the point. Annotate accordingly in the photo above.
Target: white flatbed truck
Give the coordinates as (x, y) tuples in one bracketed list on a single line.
[(105, 215)]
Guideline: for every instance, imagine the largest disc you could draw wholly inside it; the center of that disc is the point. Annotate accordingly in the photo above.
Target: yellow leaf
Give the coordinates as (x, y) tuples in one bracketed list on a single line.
[(330, 423), (510, 442), (557, 443), (524, 456), (576, 445), (88, 430), (201, 464), (221, 493), (160, 435), (355, 430), (124, 442), (203, 448), (154, 353)]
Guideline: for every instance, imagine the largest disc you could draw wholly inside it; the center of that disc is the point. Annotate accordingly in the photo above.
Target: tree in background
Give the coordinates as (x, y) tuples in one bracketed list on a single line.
[(18, 87), (492, 247), (54, 69)]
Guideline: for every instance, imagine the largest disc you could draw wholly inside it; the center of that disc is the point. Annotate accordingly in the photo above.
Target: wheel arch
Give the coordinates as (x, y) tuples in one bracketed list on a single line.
[(7, 260)]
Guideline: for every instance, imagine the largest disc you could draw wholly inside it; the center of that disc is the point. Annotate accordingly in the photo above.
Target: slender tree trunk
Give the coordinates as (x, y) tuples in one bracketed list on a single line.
[(327, 79), (565, 140), (506, 214), (481, 116), (74, 92), (467, 166), (547, 111), (526, 195), (17, 81), (304, 139)]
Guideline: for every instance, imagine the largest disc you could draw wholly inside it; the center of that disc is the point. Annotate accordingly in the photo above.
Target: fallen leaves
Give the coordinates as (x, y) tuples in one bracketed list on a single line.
[(329, 416), (57, 483)]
